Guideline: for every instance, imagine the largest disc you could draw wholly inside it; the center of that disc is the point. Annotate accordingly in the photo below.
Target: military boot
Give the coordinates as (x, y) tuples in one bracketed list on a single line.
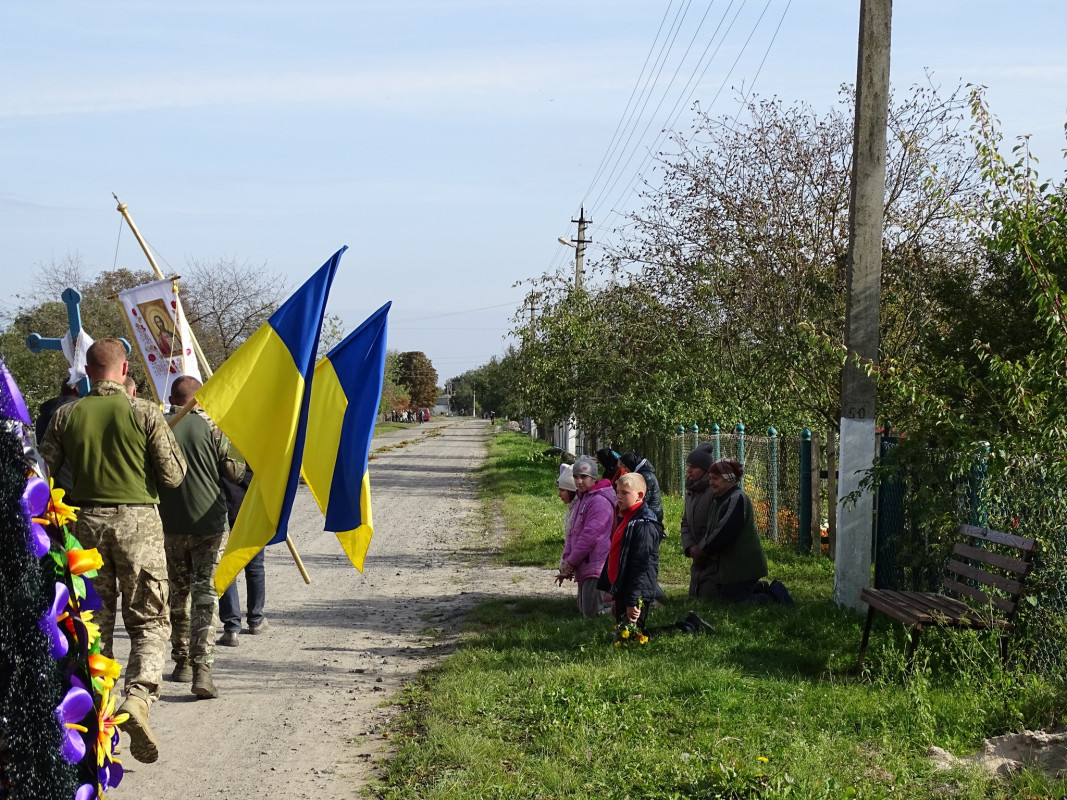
[(143, 744), (203, 685), (183, 671)]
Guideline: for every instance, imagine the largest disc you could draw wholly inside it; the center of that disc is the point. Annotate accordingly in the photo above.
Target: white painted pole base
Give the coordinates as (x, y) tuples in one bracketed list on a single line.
[(855, 525)]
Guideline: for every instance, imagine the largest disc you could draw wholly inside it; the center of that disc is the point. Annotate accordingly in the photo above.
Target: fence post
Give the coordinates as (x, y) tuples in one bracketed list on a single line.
[(696, 436), (715, 438), (772, 481), (681, 464), (804, 521), (978, 486), (741, 449)]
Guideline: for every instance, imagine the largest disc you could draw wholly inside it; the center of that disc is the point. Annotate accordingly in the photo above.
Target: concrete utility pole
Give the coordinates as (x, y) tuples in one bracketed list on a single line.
[(580, 243), (864, 276)]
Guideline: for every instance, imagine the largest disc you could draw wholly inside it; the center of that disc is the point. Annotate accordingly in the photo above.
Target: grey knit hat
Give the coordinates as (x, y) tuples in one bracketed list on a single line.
[(566, 480), (584, 465), (701, 457)]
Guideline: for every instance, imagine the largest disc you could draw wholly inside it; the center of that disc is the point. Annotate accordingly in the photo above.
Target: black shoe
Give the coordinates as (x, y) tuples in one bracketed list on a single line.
[(781, 594), (698, 624)]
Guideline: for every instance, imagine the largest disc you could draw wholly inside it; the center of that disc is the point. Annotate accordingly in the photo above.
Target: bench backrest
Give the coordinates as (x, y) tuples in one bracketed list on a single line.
[(989, 568)]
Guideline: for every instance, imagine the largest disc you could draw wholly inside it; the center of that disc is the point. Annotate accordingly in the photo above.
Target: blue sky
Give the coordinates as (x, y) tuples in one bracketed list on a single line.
[(448, 143)]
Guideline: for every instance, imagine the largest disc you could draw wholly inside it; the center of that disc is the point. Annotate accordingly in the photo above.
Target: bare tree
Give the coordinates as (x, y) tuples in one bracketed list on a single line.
[(226, 301)]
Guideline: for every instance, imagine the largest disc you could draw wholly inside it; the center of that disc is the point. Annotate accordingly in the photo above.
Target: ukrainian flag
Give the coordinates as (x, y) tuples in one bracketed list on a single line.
[(344, 408), (259, 397)]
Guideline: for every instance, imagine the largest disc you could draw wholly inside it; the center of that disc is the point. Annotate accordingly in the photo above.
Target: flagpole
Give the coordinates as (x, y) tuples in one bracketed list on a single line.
[(296, 558), (202, 360)]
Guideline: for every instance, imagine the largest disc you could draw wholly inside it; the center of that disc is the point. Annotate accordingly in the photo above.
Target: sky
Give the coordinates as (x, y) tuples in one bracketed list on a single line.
[(448, 143)]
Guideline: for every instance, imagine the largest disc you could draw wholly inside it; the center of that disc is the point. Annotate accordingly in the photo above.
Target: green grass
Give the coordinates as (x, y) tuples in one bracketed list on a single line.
[(387, 427), (537, 703)]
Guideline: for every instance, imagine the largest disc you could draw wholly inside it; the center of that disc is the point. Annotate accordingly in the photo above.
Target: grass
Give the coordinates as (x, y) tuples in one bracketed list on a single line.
[(537, 704)]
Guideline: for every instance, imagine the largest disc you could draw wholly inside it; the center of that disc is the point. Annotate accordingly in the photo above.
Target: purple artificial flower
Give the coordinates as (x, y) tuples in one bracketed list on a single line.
[(34, 503), (110, 774), (50, 621), (85, 792), (12, 405), (72, 710)]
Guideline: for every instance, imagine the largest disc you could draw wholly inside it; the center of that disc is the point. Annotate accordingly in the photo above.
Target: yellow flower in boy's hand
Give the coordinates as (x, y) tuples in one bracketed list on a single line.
[(642, 639), (618, 644), (625, 634)]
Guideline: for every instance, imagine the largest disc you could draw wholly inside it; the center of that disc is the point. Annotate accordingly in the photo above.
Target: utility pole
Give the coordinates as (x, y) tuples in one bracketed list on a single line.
[(852, 570), (580, 243), (579, 247)]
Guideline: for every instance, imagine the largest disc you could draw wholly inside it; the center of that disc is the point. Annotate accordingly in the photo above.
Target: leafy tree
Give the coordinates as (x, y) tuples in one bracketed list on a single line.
[(697, 316), (394, 395), (418, 376)]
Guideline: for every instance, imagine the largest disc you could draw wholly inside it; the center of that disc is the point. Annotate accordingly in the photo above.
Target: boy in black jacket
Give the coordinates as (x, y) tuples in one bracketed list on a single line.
[(632, 570)]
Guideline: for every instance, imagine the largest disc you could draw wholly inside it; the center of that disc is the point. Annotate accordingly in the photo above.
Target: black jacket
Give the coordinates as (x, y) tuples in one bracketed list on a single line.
[(638, 575)]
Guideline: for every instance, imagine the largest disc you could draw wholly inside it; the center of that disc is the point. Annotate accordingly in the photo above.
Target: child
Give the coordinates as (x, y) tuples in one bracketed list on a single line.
[(587, 543), (631, 572), (567, 492)]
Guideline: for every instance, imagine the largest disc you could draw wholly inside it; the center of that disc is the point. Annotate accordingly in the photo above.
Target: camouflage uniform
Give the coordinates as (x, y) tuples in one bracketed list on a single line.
[(195, 526), (119, 449)]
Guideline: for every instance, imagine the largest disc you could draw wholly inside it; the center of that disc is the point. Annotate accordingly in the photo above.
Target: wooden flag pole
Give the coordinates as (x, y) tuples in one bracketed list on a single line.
[(296, 558)]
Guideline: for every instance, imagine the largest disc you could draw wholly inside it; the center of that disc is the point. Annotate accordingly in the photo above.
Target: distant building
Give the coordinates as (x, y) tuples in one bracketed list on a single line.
[(443, 403)]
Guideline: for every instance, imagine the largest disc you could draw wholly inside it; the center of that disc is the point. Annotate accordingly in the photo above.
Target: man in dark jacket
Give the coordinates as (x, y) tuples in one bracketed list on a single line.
[(631, 573)]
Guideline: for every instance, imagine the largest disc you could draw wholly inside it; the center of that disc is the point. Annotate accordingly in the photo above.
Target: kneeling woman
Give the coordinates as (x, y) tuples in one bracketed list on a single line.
[(730, 552)]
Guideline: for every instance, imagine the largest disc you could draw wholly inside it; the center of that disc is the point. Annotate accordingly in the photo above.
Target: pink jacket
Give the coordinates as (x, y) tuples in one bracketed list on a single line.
[(589, 538)]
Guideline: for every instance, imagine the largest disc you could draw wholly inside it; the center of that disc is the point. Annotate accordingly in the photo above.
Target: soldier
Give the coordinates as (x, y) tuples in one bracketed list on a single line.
[(194, 527), (120, 449)]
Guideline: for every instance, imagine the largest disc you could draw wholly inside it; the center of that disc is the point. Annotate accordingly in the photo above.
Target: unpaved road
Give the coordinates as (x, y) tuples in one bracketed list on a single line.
[(301, 707)]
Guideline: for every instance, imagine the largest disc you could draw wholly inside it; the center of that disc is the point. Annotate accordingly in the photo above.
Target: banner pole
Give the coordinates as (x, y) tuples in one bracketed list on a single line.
[(206, 367)]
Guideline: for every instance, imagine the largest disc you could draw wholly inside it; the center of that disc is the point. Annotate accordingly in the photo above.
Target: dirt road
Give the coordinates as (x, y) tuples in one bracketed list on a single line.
[(301, 707)]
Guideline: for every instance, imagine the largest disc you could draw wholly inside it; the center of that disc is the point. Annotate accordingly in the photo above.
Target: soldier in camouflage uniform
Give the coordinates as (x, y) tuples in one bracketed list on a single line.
[(194, 529), (119, 450)]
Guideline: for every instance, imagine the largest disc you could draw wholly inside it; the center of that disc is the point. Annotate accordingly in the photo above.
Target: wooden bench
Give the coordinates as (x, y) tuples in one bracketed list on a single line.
[(984, 583)]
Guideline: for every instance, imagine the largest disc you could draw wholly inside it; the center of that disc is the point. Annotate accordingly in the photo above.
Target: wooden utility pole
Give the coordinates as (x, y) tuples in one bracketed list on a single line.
[(864, 276)]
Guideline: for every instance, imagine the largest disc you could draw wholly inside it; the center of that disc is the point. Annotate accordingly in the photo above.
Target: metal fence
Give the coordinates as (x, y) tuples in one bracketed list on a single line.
[(777, 471)]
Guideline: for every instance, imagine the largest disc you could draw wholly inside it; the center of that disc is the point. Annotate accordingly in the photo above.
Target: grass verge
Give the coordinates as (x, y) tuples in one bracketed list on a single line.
[(537, 703)]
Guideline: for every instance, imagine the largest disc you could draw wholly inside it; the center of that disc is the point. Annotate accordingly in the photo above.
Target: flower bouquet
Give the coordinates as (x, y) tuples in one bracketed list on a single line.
[(626, 633)]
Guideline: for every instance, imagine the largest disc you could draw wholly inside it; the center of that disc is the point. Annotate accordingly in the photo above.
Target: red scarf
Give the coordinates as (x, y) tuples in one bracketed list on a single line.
[(616, 541)]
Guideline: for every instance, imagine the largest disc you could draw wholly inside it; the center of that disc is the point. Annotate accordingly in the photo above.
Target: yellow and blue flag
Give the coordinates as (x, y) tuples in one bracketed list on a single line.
[(259, 397), (344, 408)]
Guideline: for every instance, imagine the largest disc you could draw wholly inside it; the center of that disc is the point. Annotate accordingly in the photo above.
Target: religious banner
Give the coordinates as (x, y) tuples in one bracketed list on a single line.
[(160, 334)]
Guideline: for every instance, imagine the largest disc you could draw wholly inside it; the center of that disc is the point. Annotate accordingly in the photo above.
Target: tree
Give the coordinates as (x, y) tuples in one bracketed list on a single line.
[(741, 244), (226, 301), (394, 395), (40, 375), (418, 376)]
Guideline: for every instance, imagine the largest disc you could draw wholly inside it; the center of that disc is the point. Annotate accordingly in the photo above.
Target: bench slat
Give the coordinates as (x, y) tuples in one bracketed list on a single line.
[(980, 597), (1015, 566), (999, 537), (1006, 585)]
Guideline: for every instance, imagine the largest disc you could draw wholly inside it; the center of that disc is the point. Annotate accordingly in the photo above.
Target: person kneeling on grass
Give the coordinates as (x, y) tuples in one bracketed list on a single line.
[(631, 573)]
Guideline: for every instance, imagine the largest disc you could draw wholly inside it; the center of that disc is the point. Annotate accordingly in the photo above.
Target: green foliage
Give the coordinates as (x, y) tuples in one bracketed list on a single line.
[(536, 703), (417, 375), (697, 316)]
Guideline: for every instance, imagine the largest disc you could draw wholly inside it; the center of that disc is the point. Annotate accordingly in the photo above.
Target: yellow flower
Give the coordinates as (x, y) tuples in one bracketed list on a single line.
[(617, 644), (108, 720), (761, 758), (91, 627), (625, 634), (104, 667), (642, 639), (59, 511), (82, 561)]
